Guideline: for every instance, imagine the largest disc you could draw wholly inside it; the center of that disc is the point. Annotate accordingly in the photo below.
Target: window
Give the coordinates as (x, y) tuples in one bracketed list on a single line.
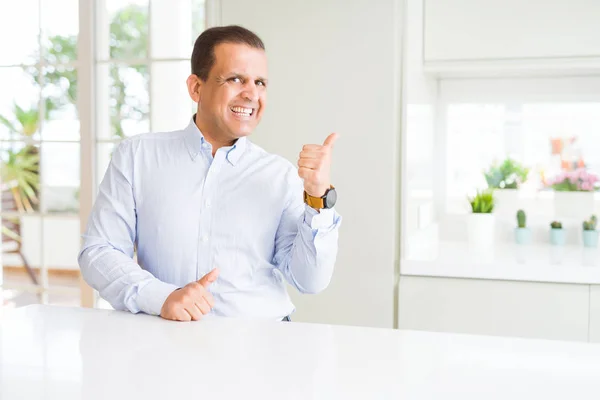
[(453, 135), (39, 148), (481, 134), (143, 51), (141, 61)]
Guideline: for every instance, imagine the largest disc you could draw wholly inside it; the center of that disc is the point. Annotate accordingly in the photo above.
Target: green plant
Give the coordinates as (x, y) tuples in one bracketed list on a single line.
[(556, 225), (20, 175), (579, 180), (510, 174), (26, 121), (590, 225), (521, 219), (483, 202)]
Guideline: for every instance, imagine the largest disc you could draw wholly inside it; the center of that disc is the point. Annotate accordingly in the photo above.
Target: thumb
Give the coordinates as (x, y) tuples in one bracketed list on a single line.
[(331, 140), (209, 278)]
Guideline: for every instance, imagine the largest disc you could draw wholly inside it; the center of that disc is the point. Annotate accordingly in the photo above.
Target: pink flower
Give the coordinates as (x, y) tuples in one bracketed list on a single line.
[(586, 186), (573, 178)]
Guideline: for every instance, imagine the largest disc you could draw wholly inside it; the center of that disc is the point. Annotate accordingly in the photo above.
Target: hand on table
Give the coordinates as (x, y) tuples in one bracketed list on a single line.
[(314, 165), (192, 301)]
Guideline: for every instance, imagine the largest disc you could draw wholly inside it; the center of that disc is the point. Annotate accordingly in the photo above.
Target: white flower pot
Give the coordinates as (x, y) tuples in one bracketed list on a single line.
[(480, 230), (506, 202), (575, 205)]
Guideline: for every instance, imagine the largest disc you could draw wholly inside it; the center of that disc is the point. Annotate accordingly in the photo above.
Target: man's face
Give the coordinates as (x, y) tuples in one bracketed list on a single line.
[(232, 100)]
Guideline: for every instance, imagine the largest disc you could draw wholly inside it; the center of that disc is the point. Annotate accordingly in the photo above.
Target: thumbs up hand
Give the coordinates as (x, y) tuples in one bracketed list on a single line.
[(192, 301), (314, 166)]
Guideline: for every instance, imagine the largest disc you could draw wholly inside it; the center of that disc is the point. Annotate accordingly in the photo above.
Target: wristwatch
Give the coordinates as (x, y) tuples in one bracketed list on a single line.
[(326, 201)]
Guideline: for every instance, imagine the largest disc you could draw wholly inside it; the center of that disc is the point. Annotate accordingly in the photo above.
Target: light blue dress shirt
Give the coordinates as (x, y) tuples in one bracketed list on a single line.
[(187, 213)]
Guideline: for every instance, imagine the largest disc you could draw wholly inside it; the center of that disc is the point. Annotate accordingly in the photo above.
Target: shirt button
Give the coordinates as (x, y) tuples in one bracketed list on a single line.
[(204, 145), (207, 203), (204, 239)]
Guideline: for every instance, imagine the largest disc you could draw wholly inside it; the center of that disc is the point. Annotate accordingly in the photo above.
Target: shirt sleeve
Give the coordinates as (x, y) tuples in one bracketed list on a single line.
[(306, 242), (106, 256)]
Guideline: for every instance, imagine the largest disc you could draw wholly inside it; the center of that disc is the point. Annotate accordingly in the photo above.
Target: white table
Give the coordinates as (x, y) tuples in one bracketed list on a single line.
[(70, 353)]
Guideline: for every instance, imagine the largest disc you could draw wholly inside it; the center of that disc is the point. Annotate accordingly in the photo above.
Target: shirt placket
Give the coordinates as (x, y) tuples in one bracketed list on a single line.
[(207, 212)]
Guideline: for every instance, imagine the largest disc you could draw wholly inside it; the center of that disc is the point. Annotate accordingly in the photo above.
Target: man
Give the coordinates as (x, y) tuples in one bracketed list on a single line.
[(218, 222)]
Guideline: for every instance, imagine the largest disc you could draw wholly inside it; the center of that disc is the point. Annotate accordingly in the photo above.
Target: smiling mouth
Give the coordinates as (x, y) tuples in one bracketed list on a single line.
[(242, 111)]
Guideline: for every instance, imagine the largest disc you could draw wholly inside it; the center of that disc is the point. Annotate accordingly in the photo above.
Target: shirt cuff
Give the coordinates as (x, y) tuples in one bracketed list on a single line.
[(151, 297), (319, 220)]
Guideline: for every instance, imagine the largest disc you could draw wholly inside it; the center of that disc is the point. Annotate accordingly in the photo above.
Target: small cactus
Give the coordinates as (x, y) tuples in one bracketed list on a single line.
[(521, 219), (590, 225), (556, 225)]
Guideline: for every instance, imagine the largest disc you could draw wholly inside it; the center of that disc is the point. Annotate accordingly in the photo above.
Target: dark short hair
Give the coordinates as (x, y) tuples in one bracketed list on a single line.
[(203, 55)]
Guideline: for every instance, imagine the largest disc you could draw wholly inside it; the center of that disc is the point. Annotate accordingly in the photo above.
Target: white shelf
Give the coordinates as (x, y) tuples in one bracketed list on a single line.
[(533, 263)]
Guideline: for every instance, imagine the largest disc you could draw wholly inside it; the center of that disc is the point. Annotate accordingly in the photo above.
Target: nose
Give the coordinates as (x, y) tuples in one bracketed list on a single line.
[(250, 92)]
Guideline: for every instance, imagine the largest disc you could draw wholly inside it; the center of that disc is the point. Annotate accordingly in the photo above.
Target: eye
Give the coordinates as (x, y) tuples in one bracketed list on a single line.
[(260, 83), (235, 79)]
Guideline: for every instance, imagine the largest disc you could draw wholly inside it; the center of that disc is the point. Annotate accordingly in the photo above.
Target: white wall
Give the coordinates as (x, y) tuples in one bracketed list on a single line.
[(533, 89), (459, 30), (335, 66), (420, 98), (421, 89)]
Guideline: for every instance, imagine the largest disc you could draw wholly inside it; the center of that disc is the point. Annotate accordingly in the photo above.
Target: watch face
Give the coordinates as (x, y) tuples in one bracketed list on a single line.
[(330, 198)]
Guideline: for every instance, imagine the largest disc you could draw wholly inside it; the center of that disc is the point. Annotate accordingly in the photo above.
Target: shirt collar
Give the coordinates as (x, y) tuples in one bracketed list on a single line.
[(236, 151), (194, 140)]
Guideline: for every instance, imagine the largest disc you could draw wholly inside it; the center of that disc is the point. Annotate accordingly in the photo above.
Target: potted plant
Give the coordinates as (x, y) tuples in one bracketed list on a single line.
[(590, 234), (480, 225), (506, 178), (557, 234), (574, 193), (522, 232)]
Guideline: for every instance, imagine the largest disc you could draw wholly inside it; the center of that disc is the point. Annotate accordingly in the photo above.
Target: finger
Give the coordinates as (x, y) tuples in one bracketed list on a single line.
[(209, 278), (194, 312), (201, 294), (312, 147), (181, 314), (201, 312), (309, 163), (203, 306), (330, 140), (305, 173), (311, 154), (209, 299)]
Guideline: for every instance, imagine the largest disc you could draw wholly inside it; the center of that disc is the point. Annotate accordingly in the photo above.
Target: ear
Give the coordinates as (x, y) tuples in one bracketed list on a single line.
[(194, 85)]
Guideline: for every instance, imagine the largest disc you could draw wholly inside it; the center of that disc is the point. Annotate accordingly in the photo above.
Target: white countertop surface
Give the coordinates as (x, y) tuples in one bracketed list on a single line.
[(535, 263), (72, 353)]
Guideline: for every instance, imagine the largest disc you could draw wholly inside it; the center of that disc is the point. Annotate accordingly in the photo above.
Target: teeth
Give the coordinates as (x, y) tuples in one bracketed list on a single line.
[(242, 110)]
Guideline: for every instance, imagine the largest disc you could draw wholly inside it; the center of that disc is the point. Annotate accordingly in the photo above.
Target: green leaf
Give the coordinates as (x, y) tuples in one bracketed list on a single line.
[(6, 122), (508, 175), (21, 168), (483, 202), (11, 234)]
